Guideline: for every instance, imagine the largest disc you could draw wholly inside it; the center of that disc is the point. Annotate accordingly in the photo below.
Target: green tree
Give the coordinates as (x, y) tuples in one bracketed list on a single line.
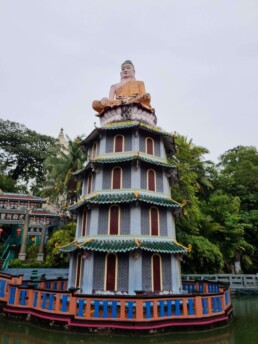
[(238, 177), (221, 224), (22, 153), (7, 184), (189, 161), (61, 186), (205, 257), (54, 257), (192, 186)]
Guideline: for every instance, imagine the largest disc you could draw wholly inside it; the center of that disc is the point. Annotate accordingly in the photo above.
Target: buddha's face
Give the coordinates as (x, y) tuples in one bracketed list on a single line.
[(127, 71)]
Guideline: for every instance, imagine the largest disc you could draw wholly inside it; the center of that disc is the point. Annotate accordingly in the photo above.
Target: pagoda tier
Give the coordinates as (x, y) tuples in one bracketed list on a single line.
[(126, 236)]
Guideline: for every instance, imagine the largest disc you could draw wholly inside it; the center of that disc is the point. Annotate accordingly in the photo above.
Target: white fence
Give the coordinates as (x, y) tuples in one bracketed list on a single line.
[(236, 281)]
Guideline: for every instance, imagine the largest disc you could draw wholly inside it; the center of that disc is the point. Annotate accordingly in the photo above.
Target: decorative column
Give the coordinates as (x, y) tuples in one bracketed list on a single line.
[(22, 254), (40, 256)]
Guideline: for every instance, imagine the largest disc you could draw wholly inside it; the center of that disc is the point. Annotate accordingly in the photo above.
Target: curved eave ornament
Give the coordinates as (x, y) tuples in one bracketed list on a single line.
[(118, 126), (126, 197), (129, 245)]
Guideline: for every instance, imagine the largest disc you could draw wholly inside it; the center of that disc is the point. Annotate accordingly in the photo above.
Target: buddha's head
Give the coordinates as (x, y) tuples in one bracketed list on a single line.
[(127, 70)]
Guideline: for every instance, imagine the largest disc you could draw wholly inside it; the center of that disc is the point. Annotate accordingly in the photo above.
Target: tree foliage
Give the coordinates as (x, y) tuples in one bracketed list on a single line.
[(214, 200), (61, 186), (54, 257), (22, 152), (239, 178)]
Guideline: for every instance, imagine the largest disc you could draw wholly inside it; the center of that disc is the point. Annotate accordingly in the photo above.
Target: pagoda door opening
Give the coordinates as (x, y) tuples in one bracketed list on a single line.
[(156, 273), (114, 215), (111, 272)]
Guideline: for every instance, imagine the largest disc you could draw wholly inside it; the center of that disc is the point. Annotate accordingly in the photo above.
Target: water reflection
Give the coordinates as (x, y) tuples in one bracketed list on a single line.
[(244, 330)]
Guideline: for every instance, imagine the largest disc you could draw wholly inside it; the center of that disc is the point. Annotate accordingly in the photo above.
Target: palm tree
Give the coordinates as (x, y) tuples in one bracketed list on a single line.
[(61, 186)]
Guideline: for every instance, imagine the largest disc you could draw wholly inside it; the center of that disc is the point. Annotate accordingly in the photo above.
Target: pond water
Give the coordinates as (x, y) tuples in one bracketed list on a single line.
[(243, 330)]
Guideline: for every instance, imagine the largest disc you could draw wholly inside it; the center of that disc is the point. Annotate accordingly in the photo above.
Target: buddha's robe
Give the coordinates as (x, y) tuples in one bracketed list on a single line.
[(131, 92)]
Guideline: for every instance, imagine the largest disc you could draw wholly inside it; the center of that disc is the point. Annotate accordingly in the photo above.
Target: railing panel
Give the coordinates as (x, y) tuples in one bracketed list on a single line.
[(81, 307), (130, 309), (148, 309), (23, 295), (35, 299), (177, 308), (51, 302), (105, 309), (64, 302), (169, 308), (12, 295), (205, 306), (201, 287), (96, 308), (190, 304), (114, 309), (161, 308), (2, 287)]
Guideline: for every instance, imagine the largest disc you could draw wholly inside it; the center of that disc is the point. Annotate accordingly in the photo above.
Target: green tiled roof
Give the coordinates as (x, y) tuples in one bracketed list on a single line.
[(20, 197), (115, 159), (162, 247), (118, 158), (125, 197), (114, 246), (124, 125), (129, 124)]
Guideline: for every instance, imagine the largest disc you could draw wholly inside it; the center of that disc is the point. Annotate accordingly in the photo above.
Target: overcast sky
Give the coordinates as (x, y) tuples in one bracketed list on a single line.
[(198, 59)]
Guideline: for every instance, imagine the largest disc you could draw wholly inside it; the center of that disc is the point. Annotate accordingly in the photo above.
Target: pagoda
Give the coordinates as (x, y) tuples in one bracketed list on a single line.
[(124, 272), (126, 235)]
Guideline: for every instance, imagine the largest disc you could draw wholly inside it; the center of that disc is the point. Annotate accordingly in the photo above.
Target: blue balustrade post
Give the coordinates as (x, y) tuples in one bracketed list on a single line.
[(226, 298), (114, 309), (130, 305), (2, 287), (177, 303), (148, 309), (96, 309), (51, 301), (219, 304), (205, 306), (35, 299), (105, 309), (214, 308), (169, 305), (23, 297), (64, 299), (12, 295), (44, 301), (80, 308), (161, 308), (190, 307)]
